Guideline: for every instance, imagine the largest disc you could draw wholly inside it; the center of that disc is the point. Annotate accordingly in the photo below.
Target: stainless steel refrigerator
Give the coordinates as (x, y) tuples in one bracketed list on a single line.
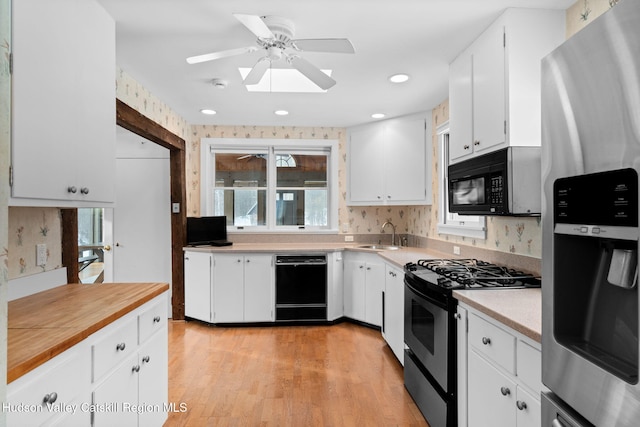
[(590, 169)]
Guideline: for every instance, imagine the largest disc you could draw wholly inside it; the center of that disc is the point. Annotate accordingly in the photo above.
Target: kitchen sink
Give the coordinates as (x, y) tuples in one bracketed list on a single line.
[(380, 247)]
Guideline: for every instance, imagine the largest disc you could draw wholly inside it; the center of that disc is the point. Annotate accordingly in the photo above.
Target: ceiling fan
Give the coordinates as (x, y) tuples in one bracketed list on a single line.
[(275, 36)]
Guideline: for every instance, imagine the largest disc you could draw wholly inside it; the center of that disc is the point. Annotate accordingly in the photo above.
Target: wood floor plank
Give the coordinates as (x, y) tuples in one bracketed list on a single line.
[(338, 375)]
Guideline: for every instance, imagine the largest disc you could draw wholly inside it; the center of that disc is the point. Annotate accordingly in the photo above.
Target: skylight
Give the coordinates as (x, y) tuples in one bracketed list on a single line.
[(284, 80)]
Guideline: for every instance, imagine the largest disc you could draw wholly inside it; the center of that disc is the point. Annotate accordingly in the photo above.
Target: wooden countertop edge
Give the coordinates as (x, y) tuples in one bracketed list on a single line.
[(76, 335)]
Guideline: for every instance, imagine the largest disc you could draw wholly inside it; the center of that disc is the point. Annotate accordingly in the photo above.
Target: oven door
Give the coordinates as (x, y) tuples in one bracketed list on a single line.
[(426, 326)]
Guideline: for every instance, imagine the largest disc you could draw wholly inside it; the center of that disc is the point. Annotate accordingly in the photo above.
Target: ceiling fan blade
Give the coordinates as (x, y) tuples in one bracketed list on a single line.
[(257, 72), (324, 45), (255, 24), (220, 54), (312, 72)]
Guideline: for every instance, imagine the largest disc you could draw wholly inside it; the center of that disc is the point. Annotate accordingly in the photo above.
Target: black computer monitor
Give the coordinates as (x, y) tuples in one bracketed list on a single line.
[(207, 230)]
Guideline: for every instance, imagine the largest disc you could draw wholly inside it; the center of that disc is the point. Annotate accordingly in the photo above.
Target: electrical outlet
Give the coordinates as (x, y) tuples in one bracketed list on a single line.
[(456, 250), (41, 254), (348, 238)]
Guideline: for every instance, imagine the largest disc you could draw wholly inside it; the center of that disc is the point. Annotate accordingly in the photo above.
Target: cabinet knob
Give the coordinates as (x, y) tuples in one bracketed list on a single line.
[(505, 391), (457, 316), (362, 266), (476, 142), (466, 147), (136, 368), (146, 359), (521, 405), (248, 261), (121, 346), (156, 319), (72, 190), (50, 397), (239, 260), (379, 197), (84, 190), (486, 340)]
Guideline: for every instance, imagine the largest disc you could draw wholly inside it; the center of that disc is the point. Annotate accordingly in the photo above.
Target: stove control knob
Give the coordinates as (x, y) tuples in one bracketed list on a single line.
[(444, 282)]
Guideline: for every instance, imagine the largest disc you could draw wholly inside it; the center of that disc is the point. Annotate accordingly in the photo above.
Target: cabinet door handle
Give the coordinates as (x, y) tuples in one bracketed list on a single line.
[(121, 346), (136, 368), (486, 340), (50, 397), (146, 359), (521, 405), (72, 190), (84, 190), (156, 319), (505, 391)]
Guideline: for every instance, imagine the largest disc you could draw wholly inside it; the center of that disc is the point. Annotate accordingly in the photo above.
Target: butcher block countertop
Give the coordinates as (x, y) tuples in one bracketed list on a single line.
[(519, 309), (45, 324)]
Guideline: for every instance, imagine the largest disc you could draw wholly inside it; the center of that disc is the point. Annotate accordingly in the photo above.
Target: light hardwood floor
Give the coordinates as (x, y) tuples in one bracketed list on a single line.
[(338, 375)]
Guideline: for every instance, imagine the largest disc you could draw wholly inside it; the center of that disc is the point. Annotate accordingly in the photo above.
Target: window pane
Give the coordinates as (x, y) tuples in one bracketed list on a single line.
[(301, 193), (298, 170), (242, 207), (241, 170), (240, 188)]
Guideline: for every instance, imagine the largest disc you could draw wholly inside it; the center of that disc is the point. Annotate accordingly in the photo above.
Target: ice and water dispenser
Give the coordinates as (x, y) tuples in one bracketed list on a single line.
[(595, 269)]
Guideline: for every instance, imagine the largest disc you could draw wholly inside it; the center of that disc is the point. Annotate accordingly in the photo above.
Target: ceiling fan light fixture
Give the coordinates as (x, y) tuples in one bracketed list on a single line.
[(208, 111), (377, 115), (399, 78)]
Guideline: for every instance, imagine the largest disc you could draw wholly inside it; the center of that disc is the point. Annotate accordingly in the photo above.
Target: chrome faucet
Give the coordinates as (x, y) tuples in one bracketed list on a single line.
[(393, 234)]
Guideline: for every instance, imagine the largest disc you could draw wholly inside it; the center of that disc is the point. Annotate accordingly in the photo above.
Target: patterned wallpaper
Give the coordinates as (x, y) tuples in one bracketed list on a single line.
[(512, 235)]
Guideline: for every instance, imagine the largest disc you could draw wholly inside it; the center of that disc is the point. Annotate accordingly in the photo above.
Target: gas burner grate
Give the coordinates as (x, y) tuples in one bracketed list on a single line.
[(473, 273)]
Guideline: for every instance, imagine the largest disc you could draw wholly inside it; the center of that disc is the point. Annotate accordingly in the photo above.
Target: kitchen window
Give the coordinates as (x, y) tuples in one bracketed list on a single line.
[(473, 226), (275, 185)]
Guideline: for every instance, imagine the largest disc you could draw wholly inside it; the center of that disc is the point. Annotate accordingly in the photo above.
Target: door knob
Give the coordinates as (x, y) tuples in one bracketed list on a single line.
[(107, 248)]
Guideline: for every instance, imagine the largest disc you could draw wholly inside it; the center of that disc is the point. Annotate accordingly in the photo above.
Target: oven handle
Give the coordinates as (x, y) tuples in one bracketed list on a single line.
[(422, 295)]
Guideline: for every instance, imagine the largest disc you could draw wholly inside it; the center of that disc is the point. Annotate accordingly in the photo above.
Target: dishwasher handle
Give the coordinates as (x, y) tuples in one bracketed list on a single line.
[(301, 260)]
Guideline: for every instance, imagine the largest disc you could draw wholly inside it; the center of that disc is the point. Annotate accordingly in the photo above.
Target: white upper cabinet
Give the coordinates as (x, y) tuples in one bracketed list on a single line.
[(63, 107), (388, 162), (494, 84)]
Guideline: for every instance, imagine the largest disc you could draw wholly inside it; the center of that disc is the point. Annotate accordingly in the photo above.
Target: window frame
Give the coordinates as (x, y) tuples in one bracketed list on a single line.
[(328, 147), (472, 226)]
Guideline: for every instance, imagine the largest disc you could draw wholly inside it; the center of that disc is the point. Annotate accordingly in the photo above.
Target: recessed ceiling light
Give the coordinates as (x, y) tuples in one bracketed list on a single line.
[(208, 111), (377, 115), (399, 78), (281, 112)]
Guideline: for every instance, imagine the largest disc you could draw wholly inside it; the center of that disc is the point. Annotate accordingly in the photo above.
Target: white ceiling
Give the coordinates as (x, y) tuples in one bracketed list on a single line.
[(418, 37)]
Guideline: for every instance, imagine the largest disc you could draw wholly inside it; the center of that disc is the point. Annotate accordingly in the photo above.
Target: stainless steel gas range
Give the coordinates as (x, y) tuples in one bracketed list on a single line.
[(429, 327)]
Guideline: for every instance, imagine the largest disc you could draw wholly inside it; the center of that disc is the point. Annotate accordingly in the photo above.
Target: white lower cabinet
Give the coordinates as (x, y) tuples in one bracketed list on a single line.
[(503, 375), (393, 314), (363, 286), (118, 376), (229, 288), (63, 380), (243, 288), (130, 369), (198, 274)]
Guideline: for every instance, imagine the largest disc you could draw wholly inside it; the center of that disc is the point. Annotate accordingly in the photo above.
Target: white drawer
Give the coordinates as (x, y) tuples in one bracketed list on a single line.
[(152, 319), (493, 342), (114, 347), (529, 365), (60, 379)]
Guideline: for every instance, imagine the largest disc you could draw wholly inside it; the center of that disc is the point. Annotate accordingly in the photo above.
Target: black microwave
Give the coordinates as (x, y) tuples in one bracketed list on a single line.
[(503, 182)]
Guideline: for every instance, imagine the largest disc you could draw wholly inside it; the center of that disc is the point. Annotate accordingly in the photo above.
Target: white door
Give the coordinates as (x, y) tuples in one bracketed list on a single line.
[(140, 223)]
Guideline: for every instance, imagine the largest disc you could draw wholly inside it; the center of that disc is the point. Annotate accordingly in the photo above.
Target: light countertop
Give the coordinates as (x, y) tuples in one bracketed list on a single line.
[(519, 309)]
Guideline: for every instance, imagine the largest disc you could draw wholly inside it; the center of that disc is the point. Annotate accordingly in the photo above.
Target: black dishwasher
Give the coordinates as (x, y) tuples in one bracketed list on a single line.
[(301, 287)]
